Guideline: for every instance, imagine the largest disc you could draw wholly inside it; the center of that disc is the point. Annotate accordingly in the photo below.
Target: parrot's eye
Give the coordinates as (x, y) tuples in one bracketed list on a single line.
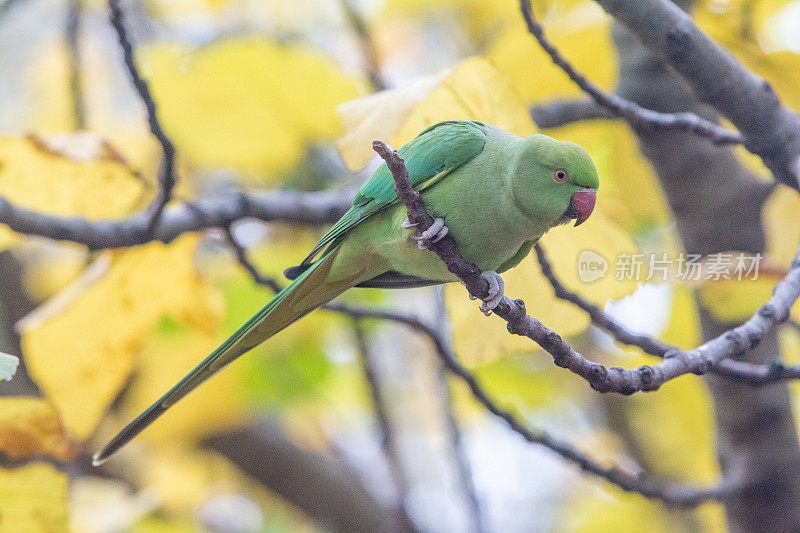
[(560, 174)]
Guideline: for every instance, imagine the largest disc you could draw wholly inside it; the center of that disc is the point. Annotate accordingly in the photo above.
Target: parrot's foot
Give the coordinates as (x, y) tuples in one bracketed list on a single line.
[(496, 291), (435, 233), (407, 224)]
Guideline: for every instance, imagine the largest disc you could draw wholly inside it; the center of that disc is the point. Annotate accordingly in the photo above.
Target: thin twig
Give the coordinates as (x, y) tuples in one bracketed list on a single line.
[(166, 175), (753, 374), (673, 494), (560, 113), (244, 261), (770, 129), (368, 51), (635, 114), (456, 435), (72, 35), (216, 212), (620, 380), (388, 439)]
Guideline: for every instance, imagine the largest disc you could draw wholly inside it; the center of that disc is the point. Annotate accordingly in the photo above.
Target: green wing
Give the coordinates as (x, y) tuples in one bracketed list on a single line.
[(430, 156)]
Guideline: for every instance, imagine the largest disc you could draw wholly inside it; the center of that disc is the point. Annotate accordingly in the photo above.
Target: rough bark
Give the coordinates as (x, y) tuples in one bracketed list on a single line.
[(717, 205)]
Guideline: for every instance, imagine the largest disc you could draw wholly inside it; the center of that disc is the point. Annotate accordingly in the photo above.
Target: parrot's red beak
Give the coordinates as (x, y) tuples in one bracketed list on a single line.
[(581, 205)]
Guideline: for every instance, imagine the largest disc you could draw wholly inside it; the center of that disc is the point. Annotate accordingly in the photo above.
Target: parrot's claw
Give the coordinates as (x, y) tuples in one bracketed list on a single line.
[(435, 233), (407, 224), (496, 291)]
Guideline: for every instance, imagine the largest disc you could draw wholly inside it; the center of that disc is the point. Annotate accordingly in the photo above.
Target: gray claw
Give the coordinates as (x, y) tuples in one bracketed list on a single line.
[(435, 233), (407, 224), (496, 291)]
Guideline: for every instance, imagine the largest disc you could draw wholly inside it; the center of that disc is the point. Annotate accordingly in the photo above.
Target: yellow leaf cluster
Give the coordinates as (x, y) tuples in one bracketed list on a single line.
[(34, 500), (781, 220), (479, 19), (478, 342), (747, 30), (80, 347), (84, 177), (29, 427), (473, 90), (246, 103), (583, 34), (683, 329), (680, 447), (49, 267), (734, 300)]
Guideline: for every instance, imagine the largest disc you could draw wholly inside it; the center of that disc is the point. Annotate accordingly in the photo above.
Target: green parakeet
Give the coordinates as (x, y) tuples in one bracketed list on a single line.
[(494, 192)]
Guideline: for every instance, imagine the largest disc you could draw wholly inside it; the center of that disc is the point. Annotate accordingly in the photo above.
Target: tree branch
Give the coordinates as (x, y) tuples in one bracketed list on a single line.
[(166, 175), (620, 380), (72, 35), (368, 51), (454, 431), (753, 374), (673, 494), (770, 129), (514, 313), (388, 438), (560, 113), (323, 488), (215, 212), (635, 114)]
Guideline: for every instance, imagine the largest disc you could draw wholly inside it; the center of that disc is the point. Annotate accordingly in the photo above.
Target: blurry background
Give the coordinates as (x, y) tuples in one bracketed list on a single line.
[(291, 437)]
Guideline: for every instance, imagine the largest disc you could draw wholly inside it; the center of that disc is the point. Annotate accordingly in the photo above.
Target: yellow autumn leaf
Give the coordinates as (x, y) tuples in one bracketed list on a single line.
[(749, 30), (246, 103), (7, 237), (473, 90), (781, 219), (29, 427), (686, 423), (480, 19), (683, 329), (583, 35), (80, 346), (478, 340), (166, 357), (734, 300), (68, 176), (111, 108), (48, 267), (378, 116), (34, 500)]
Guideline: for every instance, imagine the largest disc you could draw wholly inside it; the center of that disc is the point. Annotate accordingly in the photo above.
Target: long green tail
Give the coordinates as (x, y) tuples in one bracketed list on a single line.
[(303, 295)]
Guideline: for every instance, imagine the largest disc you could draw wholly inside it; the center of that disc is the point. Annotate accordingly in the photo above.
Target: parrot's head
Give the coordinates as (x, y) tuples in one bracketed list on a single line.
[(555, 181)]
